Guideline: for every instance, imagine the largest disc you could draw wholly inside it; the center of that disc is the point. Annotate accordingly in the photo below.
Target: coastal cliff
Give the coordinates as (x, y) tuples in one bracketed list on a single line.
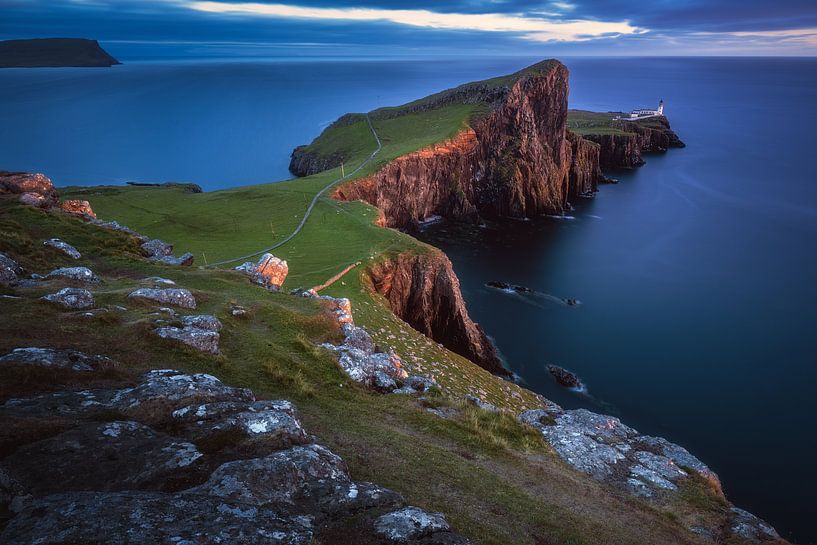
[(54, 52), (518, 160), (424, 292), (623, 146)]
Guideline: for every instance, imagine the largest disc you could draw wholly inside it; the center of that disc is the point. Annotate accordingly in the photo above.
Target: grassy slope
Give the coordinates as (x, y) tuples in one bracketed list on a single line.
[(584, 122), (496, 481)]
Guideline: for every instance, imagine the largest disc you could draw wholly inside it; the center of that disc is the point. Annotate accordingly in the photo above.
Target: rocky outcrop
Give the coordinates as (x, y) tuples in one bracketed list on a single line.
[(517, 161), (180, 458), (565, 378), (78, 208), (423, 291), (38, 187), (162, 252), (77, 274), (642, 466), (304, 162), (9, 270), (73, 298), (56, 359), (624, 150), (179, 297), (199, 332), (270, 271), (64, 247)]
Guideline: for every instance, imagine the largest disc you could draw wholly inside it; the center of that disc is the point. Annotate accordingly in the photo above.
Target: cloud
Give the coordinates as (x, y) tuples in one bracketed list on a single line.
[(531, 28)]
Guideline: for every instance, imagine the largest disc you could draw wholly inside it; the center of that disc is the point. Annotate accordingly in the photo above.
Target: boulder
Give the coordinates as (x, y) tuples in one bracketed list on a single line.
[(419, 383), (33, 199), (379, 370), (184, 260), (179, 297), (157, 248), (73, 298), (409, 523), (31, 184), (118, 455), (200, 339), (64, 247), (269, 272), (564, 377), (163, 391), (57, 359), (78, 208), (202, 321), (754, 530), (9, 270), (125, 518), (79, 274)]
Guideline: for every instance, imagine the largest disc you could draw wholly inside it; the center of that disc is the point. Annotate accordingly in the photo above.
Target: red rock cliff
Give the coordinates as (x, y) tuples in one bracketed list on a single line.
[(423, 290), (624, 150), (518, 160)]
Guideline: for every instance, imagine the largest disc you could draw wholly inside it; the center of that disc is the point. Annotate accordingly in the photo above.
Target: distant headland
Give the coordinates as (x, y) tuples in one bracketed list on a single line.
[(53, 53)]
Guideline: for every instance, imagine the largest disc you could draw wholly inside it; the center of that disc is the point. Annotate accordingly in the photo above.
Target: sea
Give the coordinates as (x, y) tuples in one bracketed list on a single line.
[(696, 274)]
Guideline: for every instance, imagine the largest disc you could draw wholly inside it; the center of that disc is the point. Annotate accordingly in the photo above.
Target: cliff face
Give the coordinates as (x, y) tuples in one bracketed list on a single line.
[(423, 291), (624, 150), (518, 161)]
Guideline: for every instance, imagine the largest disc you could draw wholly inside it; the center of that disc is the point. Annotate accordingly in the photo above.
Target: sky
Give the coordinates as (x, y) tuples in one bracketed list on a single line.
[(422, 28)]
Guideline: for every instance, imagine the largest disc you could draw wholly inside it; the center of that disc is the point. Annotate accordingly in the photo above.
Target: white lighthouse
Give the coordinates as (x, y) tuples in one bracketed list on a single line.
[(660, 107)]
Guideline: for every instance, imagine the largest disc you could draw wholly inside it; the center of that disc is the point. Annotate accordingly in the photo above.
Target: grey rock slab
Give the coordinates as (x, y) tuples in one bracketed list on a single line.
[(200, 339), (749, 527), (408, 524), (179, 297), (56, 358), (184, 260), (119, 455), (63, 247), (80, 404), (9, 270), (127, 518), (78, 274), (202, 321), (73, 298)]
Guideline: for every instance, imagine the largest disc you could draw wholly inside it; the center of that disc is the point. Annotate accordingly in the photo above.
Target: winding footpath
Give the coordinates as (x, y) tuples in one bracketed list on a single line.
[(312, 204)]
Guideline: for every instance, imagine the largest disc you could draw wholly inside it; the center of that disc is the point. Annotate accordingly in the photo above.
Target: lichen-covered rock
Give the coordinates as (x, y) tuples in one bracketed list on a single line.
[(78, 274), (32, 184), (9, 270), (64, 247), (269, 271), (33, 199), (747, 526), (419, 383), (163, 391), (73, 298), (127, 518), (202, 321), (341, 308), (379, 370), (78, 208), (157, 248), (56, 359), (200, 339), (184, 260), (410, 523), (179, 297), (118, 455)]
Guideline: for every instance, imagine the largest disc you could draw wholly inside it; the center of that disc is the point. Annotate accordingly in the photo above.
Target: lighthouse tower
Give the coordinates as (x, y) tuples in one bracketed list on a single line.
[(661, 107)]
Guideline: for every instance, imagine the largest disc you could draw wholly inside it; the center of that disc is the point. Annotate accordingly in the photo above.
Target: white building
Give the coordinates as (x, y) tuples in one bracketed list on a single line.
[(644, 112)]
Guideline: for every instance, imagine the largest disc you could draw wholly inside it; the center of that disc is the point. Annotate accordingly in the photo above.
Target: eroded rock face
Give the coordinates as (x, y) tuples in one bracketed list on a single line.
[(73, 298), (56, 358), (64, 247), (178, 297), (423, 291), (77, 274), (38, 186), (270, 271), (78, 208), (9, 270), (625, 150)]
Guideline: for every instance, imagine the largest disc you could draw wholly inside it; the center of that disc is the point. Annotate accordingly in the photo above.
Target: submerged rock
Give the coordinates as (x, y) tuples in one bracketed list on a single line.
[(79, 274), (564, 377), (179, 297), (57, 359), (64, 247), (74, 298)]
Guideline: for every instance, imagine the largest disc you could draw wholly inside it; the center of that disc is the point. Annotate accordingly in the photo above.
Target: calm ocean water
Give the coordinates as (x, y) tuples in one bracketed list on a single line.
[(696, 273)]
